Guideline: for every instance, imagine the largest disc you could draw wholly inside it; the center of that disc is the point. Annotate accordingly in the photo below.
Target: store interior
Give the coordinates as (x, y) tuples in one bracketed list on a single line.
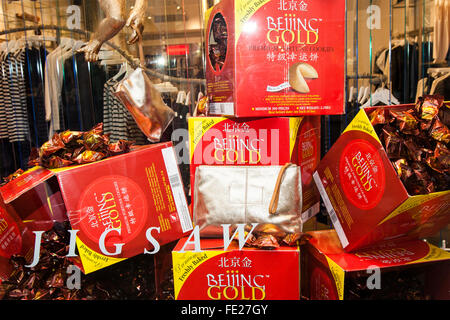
[(396, 52)]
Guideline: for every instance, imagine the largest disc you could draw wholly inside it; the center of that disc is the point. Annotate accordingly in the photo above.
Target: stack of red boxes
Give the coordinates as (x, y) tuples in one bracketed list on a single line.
[(273, 67)]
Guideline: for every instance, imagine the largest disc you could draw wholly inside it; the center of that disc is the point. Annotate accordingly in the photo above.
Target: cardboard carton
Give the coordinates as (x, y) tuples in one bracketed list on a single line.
[(396, 270), (275, 58), (262, 141), (15, 239), (125, 195), (366, 200), (233, 274)]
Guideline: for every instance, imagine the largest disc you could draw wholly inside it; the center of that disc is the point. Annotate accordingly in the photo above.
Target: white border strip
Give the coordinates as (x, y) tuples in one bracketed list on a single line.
[(334, 219)]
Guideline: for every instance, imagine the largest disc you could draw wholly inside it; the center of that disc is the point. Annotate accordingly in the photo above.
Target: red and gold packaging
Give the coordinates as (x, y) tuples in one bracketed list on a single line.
[(365, 196), (253, 142), (35, 198), (406, 269), (132, 192), (15, 239), (233, 274), (275, 58)]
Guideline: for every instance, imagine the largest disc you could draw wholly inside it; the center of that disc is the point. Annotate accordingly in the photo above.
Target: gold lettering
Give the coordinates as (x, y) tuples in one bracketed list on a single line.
[(284, 38), (115, 216), (369, 184), (299, 37), (236, 155), (263, 293), (243, 297), (243, 160), (234, 290), (116, 224), (217, 157), (258, 156), (308, 41), (269, 38), (210, 293)]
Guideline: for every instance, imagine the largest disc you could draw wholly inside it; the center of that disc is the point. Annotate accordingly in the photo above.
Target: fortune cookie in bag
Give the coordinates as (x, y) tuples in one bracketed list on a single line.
[(145, 104)]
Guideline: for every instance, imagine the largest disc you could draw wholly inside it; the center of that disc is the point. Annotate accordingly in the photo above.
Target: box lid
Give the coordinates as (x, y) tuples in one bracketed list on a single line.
[(36, 175), (24, 183), (383, 255)]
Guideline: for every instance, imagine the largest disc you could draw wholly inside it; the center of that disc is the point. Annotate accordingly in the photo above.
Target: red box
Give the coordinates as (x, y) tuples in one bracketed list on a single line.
[(247, 274), (15, 238), (263, 141), (328, 271), (275, 58), (364, 196), (35, 198), (131, 192)]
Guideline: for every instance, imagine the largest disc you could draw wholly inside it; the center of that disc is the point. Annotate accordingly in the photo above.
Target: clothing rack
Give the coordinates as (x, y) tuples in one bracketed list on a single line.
[(130, 59), (374, 78), (414, 33), (364, 76), (438, 70)]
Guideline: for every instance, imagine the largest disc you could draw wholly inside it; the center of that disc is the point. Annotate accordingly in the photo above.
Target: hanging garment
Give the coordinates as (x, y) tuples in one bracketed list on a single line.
[(405, 70), (413, 74), (441, 86), (441, 34), (133, 132), (22, 115), (16, 110), (167, 134), (98, 79), (114, 114), (7, 159), (381, 65), (53, 78), (421, 88), (77, 104), (34, 76), (4, 98)]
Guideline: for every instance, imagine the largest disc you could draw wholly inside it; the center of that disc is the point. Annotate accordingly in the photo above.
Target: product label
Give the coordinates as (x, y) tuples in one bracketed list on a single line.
[(321, 286), (93, 260), (10, 238), (362, 174), (177, 189), (220, 141), (287, 54), (236, 275), (362, 123), (290, 62), (417, 203), (111, 202), (121, 203), (309, 151), (262, 141), (392, 253), (31, 178)]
